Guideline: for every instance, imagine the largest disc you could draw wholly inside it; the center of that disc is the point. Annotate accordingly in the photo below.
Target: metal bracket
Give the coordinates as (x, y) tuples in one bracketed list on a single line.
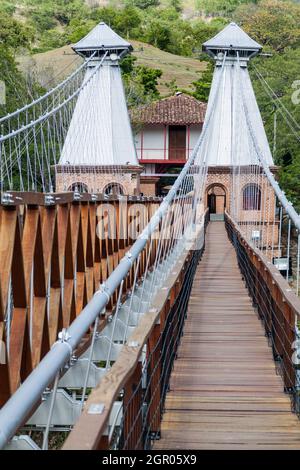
[(103, 290), (7, 199), (49, 200), (128, 257), (63, 337), (76, 196)]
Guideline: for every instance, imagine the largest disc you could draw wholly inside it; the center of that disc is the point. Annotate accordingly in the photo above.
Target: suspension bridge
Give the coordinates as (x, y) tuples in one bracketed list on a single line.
[(131, 322)]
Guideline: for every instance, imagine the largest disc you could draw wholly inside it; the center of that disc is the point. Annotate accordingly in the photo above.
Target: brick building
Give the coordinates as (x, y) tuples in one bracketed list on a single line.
[(166, 132)]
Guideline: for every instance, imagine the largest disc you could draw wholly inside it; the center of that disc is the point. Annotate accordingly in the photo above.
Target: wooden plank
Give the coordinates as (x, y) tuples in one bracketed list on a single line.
[(224, 391), (89, 429), (7, 240)]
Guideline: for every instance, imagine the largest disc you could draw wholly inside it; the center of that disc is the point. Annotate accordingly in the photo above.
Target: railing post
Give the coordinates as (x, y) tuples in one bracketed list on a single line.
[(133, 411), (173, 295), (154, 412), (265, 298), (260, 296), (268, 298), (104, 443), (278, 323), (289, 338), (253, 279)]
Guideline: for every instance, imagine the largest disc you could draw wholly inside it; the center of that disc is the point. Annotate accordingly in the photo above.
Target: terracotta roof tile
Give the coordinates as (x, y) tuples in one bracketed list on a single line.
[(177, 109)]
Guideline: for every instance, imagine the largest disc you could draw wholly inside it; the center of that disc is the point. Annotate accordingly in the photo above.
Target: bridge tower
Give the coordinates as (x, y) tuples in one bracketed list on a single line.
[(235, 179), (99, 153)]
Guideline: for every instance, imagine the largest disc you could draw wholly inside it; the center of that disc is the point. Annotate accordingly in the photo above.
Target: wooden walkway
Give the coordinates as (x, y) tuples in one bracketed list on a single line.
[(225, 393)]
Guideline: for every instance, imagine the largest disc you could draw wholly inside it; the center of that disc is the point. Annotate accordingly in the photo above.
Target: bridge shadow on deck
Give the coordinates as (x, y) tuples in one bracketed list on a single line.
[(224, 391)]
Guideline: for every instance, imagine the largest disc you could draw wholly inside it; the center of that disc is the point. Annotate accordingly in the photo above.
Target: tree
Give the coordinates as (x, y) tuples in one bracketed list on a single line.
[(14, 34), (202, 31), (143, 4), (219, 7), (7, 7), (203, 85), (289, 180), (51, 39), (273, 23), (17, 90), (148, 77), (140, 81), (128, 19), (176, 4), (78, 28), (107, 14), (280, 72), (127, 64), (123, 20), (43, 20), (158, 34), (13, 37)]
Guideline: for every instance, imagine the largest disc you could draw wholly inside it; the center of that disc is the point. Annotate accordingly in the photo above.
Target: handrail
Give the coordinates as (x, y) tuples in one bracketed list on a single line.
[(15, 412), (287, 293), (277, 305), (108, 389)]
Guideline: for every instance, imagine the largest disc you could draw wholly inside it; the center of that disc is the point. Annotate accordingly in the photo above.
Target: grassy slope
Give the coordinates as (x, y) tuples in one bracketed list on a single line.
[(53, 66), (50, 67), (184, 70)]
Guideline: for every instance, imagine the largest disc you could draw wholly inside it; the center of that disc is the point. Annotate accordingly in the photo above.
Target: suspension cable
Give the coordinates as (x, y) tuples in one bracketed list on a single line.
[(49, 93), (279, 193)]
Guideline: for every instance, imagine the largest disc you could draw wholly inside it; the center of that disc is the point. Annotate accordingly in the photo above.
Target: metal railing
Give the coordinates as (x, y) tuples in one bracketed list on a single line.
[(176, 223), (164, 153), (277, 306), (173, 220)]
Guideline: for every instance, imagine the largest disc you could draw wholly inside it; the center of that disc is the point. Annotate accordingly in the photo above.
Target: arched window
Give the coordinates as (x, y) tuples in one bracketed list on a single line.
[(79, 187), (251, 198), (113, 188)]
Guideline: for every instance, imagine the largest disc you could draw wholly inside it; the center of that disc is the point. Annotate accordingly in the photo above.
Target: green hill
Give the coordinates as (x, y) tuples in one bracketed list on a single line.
[(53, 66)]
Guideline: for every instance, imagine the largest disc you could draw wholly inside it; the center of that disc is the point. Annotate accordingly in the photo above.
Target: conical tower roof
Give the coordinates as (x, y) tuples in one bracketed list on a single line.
[(232, 37), (101, 38), (232, 91), (100, 133)]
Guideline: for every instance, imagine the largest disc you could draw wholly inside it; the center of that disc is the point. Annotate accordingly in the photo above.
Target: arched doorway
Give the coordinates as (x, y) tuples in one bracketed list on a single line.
[(216, 201)]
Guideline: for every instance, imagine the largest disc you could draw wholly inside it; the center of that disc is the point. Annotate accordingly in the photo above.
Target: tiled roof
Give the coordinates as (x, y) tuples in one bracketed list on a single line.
[(177, 109)]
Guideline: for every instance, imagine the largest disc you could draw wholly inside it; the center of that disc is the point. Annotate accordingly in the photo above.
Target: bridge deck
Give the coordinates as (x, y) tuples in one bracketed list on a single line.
[(225, 393)]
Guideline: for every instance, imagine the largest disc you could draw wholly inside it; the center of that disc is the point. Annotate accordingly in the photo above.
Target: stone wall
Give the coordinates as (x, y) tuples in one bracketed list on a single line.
[(96, 182), (263, 220)]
